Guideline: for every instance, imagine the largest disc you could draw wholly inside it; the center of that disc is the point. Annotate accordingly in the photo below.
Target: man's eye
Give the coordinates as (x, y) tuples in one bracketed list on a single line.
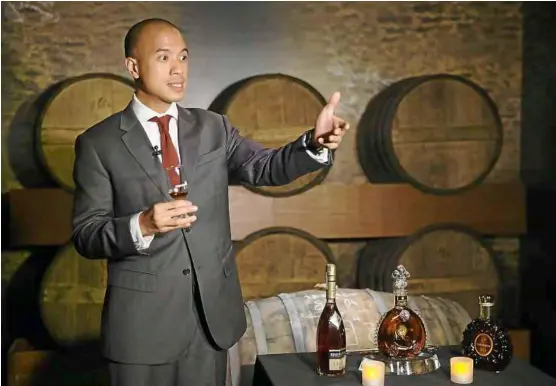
[(183, 57), (163, 57)]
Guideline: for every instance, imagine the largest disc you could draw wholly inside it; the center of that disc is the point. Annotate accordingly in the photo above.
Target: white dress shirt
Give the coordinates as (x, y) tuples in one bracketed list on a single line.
[(143, 114)]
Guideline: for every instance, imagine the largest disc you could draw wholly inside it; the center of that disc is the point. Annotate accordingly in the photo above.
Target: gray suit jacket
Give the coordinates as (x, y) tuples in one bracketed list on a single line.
[(147, 316)]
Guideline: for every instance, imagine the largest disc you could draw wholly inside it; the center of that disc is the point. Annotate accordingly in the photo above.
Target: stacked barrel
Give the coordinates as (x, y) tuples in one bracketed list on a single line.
[(71, 292), (430, 136)]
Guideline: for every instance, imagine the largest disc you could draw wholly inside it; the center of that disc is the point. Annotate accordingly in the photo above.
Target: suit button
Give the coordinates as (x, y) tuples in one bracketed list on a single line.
[(186, 271)]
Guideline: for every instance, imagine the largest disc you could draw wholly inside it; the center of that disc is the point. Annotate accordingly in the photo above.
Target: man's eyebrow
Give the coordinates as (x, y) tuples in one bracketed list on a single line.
[(167, 50)]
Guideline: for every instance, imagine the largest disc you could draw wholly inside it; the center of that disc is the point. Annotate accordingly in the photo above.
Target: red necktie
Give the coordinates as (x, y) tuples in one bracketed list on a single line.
[(169, 154)]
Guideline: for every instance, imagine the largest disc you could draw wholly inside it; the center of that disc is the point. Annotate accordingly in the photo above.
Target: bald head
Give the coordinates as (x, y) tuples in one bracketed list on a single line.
[(156, 56), (135, 33)]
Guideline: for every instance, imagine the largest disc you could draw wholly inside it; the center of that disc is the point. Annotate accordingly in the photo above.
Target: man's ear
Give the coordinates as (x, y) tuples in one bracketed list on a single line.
[(132, 67)]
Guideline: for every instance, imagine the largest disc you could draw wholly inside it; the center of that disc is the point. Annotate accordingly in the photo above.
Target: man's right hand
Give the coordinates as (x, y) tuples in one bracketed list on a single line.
[(167, 216)]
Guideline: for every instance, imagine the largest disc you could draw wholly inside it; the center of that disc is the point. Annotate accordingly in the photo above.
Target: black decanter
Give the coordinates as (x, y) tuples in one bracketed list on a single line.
[(486, 340)]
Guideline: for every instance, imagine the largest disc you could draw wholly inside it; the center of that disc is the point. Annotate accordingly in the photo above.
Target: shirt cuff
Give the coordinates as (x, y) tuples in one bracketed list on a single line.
[(322, 156), (141, 243)]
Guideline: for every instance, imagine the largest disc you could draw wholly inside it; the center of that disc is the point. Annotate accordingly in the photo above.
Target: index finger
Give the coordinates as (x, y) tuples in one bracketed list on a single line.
[(344, 125), (179, 204)]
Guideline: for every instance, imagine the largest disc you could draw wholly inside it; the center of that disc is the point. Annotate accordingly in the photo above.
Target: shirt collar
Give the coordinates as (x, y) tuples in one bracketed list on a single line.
[(145, 113)]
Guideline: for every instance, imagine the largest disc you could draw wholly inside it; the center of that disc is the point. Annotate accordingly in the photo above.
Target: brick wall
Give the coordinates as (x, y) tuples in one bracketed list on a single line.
[(356, 48)]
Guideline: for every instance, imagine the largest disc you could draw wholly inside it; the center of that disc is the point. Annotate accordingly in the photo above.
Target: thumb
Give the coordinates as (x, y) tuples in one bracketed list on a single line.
[(334, 100)]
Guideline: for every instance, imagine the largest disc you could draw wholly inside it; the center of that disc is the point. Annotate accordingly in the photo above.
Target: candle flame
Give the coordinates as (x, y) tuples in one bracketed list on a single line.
[(370, 372), (461, 368)]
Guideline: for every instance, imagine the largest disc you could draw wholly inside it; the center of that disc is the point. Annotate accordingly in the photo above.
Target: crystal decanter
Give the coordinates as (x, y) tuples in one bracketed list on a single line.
[(401, 332)]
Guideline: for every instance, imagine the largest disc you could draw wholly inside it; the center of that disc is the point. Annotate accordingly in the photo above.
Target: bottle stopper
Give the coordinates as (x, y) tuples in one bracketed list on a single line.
[(400, 276)]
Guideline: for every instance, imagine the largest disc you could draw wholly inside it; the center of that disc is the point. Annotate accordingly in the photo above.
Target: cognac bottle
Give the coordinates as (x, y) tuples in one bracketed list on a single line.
[(486, 341), (331, 334), (401, 332)]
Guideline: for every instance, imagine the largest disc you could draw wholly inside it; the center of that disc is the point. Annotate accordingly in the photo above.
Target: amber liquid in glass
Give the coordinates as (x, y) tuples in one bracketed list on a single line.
[(401, 333), (331, 333), (179, 192), (179, 195)]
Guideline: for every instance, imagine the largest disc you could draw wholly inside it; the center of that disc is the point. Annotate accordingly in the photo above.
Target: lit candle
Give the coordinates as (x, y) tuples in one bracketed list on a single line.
[(461, 370), (372, 372)]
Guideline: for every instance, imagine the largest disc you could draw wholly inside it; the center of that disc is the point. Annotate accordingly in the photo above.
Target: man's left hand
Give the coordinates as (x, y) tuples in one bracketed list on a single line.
[(329, 129)]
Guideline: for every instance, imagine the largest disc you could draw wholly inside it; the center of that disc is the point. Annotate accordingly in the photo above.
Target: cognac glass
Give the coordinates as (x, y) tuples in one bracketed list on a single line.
[(180, 190)]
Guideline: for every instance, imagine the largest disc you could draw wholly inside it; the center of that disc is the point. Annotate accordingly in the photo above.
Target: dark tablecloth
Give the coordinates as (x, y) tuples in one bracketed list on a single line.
[(299, 369)]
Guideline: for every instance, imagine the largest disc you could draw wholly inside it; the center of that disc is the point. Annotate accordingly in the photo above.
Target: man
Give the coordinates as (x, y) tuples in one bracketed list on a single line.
[(173, 304)]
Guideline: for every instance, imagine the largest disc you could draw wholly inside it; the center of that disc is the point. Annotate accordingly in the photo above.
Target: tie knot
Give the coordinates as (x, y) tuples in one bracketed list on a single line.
[(163, 121)]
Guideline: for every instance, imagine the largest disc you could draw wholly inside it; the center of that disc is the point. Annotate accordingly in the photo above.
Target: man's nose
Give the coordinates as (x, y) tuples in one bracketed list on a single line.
[(177, 68)]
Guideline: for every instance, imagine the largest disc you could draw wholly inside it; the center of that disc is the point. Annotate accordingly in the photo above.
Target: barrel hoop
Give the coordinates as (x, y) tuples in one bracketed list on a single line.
[(448, 333), (455, 307), (411, 303), (382, 307), (295, 323), (258, 328), (460, 310)]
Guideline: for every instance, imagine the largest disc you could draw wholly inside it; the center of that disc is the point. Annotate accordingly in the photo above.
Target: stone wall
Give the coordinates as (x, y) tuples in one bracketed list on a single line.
[(357, 48)]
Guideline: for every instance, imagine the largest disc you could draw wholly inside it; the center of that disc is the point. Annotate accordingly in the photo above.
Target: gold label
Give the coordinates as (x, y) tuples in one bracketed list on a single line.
[(401, 331), (483, 344)]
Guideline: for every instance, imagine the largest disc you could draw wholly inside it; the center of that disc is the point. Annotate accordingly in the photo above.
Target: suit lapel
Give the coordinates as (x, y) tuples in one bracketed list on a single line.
[(188, 138), (138, 144)]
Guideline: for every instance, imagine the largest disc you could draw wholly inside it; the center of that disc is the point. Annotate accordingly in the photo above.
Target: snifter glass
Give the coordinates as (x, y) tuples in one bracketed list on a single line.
[(180, 190)]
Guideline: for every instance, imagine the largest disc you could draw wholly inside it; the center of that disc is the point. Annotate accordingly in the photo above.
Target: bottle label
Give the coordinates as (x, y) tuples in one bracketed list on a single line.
[(337, 359), (483, 344)]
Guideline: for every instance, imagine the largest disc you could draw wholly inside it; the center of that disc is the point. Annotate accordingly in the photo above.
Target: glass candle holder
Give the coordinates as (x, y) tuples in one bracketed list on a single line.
[(372, 372), (461, 370)]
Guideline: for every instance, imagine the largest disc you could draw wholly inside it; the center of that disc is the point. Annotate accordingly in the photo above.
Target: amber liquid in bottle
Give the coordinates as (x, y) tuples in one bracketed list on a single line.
[(401, 332), (486, 341), (331, 334)]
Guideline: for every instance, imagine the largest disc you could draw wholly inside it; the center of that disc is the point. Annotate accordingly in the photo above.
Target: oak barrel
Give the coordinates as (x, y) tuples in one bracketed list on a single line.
[(446, 260), (27, 366), (280, 259), (273, 109), (442, 133), (71, 298), (71, 107), (287, 322)]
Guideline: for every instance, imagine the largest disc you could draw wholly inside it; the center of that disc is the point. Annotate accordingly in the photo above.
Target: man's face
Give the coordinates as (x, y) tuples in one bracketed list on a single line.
[(160, 62)]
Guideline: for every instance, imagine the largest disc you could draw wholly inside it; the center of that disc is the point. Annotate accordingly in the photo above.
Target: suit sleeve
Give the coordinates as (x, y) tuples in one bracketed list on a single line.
[(252, 163), (97, 234)]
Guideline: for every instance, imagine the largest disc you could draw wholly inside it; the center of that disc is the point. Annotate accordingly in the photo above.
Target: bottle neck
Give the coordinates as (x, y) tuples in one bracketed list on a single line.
[(484, 312), (401, 300), (331, 291)]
